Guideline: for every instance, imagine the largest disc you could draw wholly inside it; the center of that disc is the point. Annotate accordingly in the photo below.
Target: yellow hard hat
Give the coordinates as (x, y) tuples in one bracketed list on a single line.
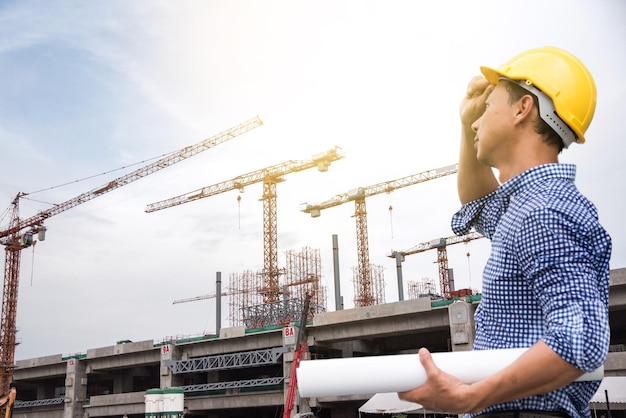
[(560, 76)]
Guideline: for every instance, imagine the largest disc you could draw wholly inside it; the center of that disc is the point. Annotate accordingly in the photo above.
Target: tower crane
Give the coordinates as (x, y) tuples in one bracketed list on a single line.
[(442, 257), (365, 293), (270, 177), (313, 280), (209, 296), (20, 232)]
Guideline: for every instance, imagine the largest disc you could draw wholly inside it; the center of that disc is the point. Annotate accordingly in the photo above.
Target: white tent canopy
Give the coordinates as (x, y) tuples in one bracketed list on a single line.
[(615, 387), (389, 403)]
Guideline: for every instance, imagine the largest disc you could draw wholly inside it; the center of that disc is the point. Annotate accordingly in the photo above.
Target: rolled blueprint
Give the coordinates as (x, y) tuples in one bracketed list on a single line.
[(401, 372)]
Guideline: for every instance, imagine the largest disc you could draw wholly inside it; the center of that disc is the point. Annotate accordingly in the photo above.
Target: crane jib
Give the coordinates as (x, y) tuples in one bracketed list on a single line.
[(158, 165)]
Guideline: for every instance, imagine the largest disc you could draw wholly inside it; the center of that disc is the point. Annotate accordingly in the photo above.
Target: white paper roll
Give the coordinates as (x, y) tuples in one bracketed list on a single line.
[(401, 372)]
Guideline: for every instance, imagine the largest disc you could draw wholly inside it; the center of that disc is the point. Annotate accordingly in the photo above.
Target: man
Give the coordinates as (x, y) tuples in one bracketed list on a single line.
[(545, 285)]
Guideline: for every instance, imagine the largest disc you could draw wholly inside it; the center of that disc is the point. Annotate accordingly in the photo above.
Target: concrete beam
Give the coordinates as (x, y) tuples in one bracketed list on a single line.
[(380, 327), (239, 400), (117, 404), (122, 348), (249, 342)]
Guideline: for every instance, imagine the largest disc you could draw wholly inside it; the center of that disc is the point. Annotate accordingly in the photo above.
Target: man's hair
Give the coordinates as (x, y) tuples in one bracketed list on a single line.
[(549, 135)]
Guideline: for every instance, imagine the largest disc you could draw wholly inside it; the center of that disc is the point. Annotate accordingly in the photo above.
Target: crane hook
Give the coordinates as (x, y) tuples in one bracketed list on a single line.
[(239, 211)]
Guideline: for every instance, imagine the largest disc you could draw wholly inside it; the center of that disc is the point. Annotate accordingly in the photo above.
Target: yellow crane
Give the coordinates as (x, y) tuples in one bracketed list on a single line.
[(270, 177), (365, 295), (313, 280), (20, 234), (442, 258)]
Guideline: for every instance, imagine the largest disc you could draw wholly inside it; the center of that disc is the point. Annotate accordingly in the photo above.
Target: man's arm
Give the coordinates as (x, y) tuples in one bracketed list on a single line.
[(538, 370), (474, 179)]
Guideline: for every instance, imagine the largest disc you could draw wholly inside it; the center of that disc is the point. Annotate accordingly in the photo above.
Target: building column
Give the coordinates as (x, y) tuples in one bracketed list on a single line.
[(169, 352), (289, 342), (462, 332), (75, 388)]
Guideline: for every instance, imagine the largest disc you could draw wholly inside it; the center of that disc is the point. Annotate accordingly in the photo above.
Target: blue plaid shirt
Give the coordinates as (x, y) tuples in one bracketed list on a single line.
[(547, 277)]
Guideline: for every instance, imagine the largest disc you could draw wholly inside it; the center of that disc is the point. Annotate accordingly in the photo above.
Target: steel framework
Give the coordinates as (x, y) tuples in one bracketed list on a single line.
[(227, 361), (301, 278), (39, 402), (417, 289), (372, 293), (303, 271), (235, 384), (245, 292)]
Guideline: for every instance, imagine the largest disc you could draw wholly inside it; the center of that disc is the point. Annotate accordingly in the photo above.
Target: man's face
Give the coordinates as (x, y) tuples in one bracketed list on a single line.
[(493, 129)]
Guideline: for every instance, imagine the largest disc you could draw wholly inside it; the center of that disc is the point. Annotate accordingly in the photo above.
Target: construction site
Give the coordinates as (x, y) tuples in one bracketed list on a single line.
[(274, 317)]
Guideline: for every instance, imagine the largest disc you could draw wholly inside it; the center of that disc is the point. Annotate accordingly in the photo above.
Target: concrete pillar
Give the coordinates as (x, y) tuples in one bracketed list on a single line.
[(75, 388), (462, 330), (338, 297), (399, 259), (169, 352), (218, 302), (300, 405)]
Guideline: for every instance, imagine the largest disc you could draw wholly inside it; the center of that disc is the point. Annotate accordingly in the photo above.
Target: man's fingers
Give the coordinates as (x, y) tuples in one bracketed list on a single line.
[(405, 396), (427, 361), (487, 92), (477, 87)]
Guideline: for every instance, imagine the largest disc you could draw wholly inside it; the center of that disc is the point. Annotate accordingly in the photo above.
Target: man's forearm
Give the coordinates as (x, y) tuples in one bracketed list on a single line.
[(474, 179), (538, 370)]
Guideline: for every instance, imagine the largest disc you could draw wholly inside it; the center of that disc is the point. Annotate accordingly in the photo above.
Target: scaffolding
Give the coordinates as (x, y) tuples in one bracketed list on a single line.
[(372, 293), (302, 274), (421, 288), (245, 291)]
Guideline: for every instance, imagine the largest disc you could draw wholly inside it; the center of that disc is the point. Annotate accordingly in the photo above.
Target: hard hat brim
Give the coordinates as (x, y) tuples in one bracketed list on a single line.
[(492, 76)]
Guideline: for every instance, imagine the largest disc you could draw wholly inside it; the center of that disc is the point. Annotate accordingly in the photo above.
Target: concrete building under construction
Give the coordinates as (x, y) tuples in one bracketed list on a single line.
[(245, 372)]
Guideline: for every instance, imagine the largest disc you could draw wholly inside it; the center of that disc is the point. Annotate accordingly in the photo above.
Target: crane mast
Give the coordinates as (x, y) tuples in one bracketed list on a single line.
[(15, 240), (8, 326), (365, 296), (442, 257), (270, 177)]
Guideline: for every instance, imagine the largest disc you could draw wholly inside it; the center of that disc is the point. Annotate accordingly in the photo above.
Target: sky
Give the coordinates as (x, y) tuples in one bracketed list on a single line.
[(93, 90)]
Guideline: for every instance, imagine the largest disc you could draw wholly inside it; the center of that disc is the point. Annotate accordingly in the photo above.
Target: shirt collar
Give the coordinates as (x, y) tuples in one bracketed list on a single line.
[(534, 175)]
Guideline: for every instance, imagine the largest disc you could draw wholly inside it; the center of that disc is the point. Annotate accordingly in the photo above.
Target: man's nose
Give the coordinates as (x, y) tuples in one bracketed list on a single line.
[(476, 124)]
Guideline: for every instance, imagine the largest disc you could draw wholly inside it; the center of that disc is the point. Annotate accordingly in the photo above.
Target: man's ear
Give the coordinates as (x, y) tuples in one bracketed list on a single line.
[(523, 108)]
